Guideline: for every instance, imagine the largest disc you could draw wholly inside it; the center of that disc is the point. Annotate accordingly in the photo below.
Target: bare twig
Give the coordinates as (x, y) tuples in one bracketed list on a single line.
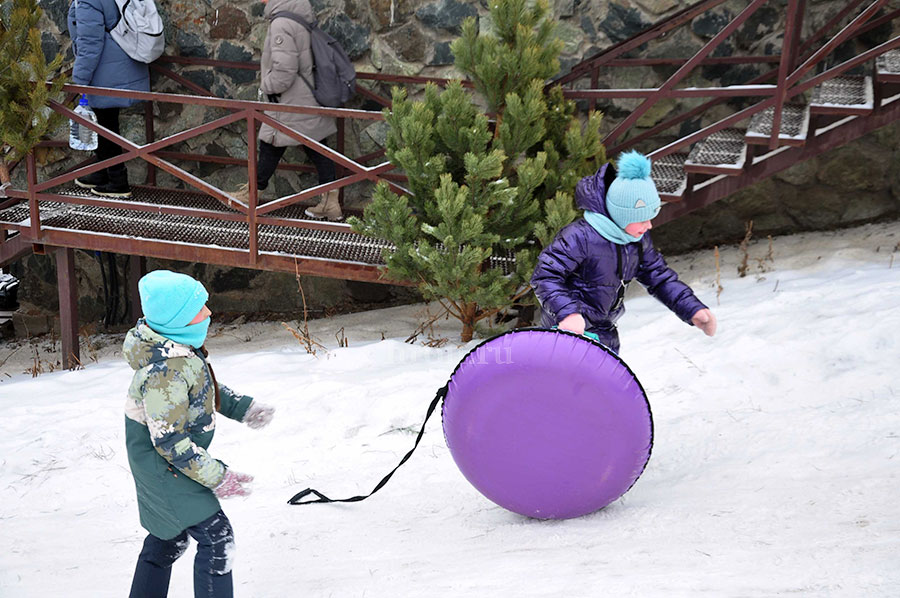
[(341, 338), (692, 364), (426, 326), (719, 287), (303, 335), (13, 352), (745, 255)]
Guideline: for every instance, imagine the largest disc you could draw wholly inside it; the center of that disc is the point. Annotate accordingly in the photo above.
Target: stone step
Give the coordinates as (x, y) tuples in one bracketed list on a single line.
[(668, 174), (793, 130), (723, 152), (844, 95), (887, 67)]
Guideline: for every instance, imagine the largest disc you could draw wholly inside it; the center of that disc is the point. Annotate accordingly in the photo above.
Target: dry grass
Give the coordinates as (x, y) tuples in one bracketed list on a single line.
[(426, 328)]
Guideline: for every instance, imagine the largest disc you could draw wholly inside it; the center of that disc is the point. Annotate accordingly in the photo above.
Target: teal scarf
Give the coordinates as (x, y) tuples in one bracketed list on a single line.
[(609, 229), (192, 334)]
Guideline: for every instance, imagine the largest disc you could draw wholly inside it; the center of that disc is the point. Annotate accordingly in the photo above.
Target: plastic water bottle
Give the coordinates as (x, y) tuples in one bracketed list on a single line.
[(83, 138)]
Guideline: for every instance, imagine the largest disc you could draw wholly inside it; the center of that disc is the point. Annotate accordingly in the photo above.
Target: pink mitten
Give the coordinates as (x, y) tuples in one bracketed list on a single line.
[(233, 484), (258, 415), (573, 323)]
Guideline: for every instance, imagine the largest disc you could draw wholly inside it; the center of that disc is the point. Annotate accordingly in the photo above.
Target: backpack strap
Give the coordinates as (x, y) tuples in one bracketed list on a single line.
[(286, 14)]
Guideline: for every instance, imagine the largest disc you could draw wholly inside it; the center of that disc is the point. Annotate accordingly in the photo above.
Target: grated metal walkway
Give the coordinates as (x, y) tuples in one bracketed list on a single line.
[(299, 240)]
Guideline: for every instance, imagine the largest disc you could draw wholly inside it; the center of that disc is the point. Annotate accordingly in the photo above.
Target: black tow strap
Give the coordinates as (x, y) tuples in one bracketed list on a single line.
[(297, 499)]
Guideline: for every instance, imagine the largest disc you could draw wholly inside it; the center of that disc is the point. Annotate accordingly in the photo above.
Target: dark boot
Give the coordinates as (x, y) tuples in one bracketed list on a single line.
[(89, 181), (117, 186)]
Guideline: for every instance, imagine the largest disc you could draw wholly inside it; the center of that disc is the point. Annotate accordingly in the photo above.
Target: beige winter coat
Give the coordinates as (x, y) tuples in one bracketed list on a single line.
[(287, 53)]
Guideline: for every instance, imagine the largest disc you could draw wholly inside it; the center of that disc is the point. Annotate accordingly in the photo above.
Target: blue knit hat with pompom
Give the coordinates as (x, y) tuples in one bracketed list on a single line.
[(632, 196)]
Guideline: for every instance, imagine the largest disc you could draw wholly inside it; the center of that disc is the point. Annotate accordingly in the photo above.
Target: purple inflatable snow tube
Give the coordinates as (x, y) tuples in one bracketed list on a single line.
[(547, 424)]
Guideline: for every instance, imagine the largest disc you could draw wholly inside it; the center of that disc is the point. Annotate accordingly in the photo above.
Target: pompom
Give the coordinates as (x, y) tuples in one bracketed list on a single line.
[(633, 165)]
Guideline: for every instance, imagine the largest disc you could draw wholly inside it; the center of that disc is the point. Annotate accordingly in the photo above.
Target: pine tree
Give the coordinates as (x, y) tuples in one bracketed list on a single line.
[(27, 82), (484, 185)]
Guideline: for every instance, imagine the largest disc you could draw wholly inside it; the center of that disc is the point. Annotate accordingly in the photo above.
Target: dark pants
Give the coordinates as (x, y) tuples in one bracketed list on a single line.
[(270, 155), (212, 565), (106, 149)]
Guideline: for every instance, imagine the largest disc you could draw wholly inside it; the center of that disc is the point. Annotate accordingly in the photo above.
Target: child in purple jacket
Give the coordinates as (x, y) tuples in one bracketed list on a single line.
[(581, 276)]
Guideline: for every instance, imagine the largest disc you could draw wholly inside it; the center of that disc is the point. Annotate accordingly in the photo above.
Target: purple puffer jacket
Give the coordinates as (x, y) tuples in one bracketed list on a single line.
[(582, 272)]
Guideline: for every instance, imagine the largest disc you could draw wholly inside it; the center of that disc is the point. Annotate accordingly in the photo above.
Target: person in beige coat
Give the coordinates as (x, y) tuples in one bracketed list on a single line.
[(286, 71)]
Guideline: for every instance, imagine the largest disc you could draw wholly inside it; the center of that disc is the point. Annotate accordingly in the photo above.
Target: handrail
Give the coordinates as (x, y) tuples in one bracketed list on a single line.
[(685, 69)]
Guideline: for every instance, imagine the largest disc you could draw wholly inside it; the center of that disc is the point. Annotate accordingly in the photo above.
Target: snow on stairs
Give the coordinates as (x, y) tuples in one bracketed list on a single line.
[(887, 67), (723, 152), (669, 176), (844, 95), (794, 125)]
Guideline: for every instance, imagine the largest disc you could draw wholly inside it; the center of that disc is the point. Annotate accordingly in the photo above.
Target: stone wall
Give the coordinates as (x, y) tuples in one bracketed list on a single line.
[(849, 185)]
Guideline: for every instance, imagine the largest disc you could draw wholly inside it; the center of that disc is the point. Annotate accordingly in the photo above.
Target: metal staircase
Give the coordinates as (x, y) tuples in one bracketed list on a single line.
[(839, 110)]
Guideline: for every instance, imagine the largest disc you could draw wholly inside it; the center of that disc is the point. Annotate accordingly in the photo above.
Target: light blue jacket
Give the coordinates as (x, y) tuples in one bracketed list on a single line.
[(99, 61)]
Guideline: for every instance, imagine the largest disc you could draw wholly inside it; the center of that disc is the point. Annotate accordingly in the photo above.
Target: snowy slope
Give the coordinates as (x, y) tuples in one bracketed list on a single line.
[(774, 468)]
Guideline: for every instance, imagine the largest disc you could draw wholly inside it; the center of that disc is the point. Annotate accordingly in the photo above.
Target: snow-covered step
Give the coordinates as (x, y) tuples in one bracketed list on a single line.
[(793, 130), (723, 152), (844, 95), (887, 67), (668, 174)]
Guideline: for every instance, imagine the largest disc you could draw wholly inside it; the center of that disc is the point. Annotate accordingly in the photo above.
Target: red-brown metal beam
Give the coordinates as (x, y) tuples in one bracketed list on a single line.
[(831, 24), (786, 157), (149, 137), (137, 266), (645, 36), (793, 23), (184, 82), (238, 258), (68, 306), (254, 192), (31, 175), (710, 61), (685, 70), (834, 42), (686, 92), (13, 248)]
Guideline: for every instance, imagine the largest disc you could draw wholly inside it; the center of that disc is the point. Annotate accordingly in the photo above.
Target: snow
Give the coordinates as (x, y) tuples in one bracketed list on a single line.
[(774, 467)]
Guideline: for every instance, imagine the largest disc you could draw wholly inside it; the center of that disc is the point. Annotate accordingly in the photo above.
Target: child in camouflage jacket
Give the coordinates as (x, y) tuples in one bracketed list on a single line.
[(169, 425)]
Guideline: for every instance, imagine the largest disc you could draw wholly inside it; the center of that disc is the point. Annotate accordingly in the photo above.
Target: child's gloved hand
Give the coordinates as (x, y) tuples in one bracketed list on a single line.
[(572, 323), (705, 321), (258, 415), (233, 484)]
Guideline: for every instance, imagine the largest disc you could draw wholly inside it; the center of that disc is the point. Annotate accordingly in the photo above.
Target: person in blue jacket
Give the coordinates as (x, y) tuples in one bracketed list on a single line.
[(100, 62), (580, 278)]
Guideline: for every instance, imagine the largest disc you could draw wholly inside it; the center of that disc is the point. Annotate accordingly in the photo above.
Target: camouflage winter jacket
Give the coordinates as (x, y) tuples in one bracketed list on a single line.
[(170, 421)]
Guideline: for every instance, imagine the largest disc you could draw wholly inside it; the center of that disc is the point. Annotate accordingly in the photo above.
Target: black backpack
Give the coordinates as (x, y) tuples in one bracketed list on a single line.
[(333, 73)]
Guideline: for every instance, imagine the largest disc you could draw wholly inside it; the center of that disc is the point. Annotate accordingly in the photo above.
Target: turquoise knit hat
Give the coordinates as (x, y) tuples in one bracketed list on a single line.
[(170, 300), (632, 196)]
